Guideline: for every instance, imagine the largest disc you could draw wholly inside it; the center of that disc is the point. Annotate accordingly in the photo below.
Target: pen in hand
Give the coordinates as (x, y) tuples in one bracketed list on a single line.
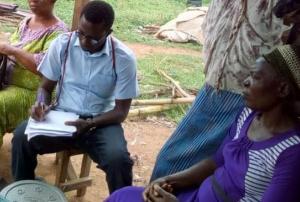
[(39, 110)]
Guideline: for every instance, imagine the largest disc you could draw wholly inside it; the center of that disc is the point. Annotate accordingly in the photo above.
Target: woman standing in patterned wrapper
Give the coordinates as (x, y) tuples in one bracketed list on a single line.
[(259, 158), (27, 47)]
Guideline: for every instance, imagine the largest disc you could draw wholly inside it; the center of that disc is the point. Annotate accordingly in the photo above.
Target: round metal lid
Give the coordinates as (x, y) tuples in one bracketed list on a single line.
[(2, 199), (32, 191)]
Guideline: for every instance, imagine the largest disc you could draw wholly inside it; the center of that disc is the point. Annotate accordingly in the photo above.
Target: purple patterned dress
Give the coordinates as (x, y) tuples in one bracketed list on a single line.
[(266, 171)]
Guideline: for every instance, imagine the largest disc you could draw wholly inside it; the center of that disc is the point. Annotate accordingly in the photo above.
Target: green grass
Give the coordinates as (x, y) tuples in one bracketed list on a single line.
[(185, 69), (130, 16)]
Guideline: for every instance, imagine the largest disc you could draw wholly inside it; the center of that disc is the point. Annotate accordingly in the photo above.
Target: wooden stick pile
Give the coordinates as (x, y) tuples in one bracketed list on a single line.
[(158, 105), (10, 15)]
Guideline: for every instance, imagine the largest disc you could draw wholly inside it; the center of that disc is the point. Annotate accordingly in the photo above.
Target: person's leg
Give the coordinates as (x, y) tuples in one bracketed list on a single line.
[(127, 194), (24, 153), (200, 132), (108, 148), (24, 159)]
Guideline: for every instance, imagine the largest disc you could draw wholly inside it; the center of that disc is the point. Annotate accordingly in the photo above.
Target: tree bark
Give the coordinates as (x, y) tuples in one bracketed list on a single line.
[(79, 4)]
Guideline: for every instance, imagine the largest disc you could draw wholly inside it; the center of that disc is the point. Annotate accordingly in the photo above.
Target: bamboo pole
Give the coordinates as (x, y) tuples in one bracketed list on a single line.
[(149, 110), (156, 92), (176, 83), (185, 100)]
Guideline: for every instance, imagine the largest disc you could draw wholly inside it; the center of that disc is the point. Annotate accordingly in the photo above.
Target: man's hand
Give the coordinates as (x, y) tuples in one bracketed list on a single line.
[(81, 125), (6, 48), (39, 111), (150, 190), (161, 195)]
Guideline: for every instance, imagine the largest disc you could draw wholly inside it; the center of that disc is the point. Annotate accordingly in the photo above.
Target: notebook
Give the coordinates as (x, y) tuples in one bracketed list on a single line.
[(53, 125)]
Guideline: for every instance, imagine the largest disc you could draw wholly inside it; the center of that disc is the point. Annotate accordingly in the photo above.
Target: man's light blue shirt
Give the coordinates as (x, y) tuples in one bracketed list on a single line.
[(90, 85)]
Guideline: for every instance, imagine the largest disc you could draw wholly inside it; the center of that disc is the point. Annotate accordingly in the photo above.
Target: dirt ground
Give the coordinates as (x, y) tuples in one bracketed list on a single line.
[(144, 138), (141, 50)]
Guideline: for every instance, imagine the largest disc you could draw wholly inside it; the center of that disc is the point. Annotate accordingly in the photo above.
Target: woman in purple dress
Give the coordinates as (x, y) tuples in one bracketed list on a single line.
[(259, 159)]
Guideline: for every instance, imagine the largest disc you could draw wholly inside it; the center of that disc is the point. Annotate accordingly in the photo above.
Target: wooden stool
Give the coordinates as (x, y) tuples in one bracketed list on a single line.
[(66, 177)]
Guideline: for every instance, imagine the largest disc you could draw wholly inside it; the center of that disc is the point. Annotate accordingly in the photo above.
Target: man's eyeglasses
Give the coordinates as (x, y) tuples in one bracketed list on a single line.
[(91, 39)]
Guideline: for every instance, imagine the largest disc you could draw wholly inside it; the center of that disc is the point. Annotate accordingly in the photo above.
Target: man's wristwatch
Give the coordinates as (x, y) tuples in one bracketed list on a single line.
[(91, 124)]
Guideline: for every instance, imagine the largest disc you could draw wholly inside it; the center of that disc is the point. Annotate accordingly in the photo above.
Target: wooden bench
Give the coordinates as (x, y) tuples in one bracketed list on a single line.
[(66, 177)]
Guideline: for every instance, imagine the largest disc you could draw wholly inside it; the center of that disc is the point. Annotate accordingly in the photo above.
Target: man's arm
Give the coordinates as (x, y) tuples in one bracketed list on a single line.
[(43, 100), (117, 115)]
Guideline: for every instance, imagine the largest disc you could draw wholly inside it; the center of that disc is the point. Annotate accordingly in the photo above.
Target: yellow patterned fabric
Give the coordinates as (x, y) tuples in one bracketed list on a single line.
[(16, 99), (14, 105)]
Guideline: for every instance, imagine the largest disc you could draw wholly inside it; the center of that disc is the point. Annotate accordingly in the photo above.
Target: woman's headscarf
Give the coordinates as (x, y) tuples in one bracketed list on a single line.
[(286, 61)]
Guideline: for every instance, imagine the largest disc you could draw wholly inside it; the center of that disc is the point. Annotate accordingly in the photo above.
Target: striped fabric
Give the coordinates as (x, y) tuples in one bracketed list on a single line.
[(200, 132), (261, 168), (261, 162), (241, 120)]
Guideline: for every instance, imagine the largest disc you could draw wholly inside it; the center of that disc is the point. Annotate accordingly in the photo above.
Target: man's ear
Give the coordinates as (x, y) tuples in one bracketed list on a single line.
[(283, 89)]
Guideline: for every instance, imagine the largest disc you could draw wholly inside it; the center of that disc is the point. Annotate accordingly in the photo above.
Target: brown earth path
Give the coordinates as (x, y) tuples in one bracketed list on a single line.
[(142, 50)]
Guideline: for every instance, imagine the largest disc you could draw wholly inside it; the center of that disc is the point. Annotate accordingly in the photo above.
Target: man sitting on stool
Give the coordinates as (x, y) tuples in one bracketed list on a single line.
[(97, 80)]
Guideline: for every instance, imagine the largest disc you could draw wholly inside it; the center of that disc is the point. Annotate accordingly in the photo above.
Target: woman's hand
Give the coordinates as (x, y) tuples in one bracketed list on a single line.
[(151, 191), (161, 195), (6, 48)]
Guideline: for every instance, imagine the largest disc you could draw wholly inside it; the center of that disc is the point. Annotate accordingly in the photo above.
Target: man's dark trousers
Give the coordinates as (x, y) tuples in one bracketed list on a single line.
[(106, 146)]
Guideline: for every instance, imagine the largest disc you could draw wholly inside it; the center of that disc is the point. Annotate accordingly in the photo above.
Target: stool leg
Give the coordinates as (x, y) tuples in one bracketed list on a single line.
[(62, 167), (56, 159), (85, 171)]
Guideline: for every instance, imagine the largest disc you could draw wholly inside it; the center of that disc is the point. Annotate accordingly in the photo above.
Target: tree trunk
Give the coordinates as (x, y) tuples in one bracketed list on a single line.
[(79, 4)]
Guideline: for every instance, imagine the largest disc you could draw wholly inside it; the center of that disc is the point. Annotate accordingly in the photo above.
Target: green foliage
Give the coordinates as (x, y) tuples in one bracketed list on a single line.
[(185, 69), (131, 15), (177, 113)]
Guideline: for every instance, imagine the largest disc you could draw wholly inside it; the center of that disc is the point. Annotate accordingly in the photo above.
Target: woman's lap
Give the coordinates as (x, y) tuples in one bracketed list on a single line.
[(14, 105), (134, 194), (127, 194)]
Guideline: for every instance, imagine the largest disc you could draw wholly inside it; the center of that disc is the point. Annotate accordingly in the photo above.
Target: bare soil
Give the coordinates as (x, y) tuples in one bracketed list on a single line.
[(142, 50), (144, 138)]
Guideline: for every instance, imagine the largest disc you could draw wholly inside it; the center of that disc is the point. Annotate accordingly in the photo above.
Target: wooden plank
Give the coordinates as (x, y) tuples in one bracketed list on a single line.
[(61, 171), (75, 184), (79, 4), (8, 7), (85, 172), (185, 100), (148, 110), (71, 172)]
